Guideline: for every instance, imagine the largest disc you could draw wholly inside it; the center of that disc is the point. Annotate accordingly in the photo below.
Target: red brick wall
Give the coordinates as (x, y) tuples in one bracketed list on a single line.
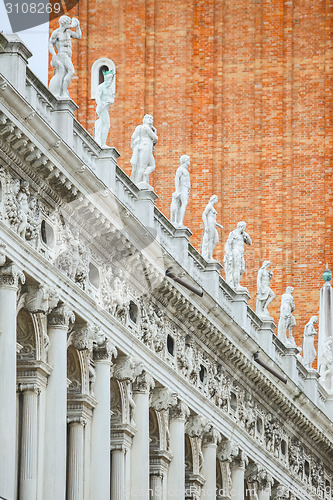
[(245, 88)]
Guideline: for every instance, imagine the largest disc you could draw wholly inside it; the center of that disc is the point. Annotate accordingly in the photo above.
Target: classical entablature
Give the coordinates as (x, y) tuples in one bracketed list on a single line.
[(84, 254)]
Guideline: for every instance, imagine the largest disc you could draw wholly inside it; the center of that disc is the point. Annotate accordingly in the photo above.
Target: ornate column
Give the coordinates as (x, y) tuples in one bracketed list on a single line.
[(265, 481), (176, 475), (237, 475), (211, 439), (140, 446), (56, 405), (75, 458), (9, 282), (118, 473), (100, 430), (28, 462)]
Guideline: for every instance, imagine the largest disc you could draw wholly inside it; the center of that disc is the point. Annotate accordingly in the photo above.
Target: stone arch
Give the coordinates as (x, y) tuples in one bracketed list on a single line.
[(116, 403), (74, 371), (96, 70), (27, 336)]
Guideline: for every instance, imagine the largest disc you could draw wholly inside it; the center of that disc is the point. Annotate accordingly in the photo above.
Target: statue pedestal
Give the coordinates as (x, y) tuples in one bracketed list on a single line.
[(63, 119), (239, 307), (265, 335), (289, 362), (311, 384), (106, 167), (13, 62), (144, 206), (211, 278), (180, 240), (329, 406)]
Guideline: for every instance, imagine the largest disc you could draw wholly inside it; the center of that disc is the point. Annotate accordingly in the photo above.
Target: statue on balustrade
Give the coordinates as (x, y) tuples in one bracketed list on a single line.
[(180, 196), (326, 367), (309, 350), (104, 99), (234, 262), (210, 236), (60, 41), (265, 294), (287, 321), (143, 143)]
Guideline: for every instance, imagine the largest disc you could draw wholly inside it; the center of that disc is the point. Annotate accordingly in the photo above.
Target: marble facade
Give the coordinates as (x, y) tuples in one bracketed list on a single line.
[(117, 383)]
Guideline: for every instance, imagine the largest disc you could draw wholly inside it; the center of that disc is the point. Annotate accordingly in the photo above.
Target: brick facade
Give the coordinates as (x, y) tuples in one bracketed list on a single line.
[(245, 88)]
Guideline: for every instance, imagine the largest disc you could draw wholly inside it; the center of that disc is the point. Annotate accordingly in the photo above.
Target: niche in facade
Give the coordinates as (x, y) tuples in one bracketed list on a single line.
[(233, 401), (259, 425), (97, 77), (202, 374), (94, 275), (307, 468), (170, 345), (133, 312), (283, 447), (47, 234)]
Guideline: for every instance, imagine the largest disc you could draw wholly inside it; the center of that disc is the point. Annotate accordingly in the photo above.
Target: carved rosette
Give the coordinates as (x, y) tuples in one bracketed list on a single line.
[(179, 410), (143, 383), (11, 276), (61, 316)]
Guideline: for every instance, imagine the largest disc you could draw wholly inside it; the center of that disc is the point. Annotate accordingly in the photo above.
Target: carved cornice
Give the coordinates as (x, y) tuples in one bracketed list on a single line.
[(61, 316)]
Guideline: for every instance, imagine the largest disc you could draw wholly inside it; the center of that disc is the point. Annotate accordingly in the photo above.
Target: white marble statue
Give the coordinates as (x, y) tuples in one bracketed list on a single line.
[(180, 196), (287, 321), (309, 350), (210, 236), (326, 367), (104, 99), (143, 142), (265, 294), (60, 46), (234, 262)]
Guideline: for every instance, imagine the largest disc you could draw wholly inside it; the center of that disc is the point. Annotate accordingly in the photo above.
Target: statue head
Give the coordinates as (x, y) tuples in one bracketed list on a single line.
[(266, 264), (65, 21), (148, 119), (213, 199), (184, 159), (314, 320), (241, 226), (290, 289)]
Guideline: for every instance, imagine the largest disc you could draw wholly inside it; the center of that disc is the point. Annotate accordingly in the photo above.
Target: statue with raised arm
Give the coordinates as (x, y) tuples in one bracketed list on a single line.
[(326, 366), (309, 350), (287, 321), (210, 236), (104, 99), (265, 294), (180, 196), (60, 46), (234, 262), (143, 142)]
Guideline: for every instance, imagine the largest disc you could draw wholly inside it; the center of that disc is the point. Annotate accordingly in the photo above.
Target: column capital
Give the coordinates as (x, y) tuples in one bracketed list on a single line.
[(77, 420), (144, 382), (84, 336), (104, 350), (10, 276), (264, 479), (196, 426), (162, 399), (40, 298), (61, 316), (179, 410), (29, 388), (126, 369), (211, 435)]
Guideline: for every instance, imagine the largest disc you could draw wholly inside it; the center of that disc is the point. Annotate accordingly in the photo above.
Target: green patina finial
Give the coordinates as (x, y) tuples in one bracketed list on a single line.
[(327, 274)]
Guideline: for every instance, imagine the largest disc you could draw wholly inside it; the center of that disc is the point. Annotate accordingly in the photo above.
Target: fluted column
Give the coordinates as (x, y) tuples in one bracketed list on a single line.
[(140, 445), (176, 474), (28, 454), (9, 278), (75, 458), (56, 405), (156, 486), (118, 473), (211, 439), (100, 430)]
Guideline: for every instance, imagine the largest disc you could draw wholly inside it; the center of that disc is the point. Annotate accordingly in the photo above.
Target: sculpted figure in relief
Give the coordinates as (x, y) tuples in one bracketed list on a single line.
[(74, 259), (326, 367), (234, 256), (34, 221), (287, 321), (17, 206), (265, 294), (143, 142), (62, 59), (210, 235), (309, 350), (180, 196), (104, 99)]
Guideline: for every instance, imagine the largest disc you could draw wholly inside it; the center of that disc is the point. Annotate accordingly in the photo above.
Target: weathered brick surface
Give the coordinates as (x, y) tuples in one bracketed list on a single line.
[(245, 88)]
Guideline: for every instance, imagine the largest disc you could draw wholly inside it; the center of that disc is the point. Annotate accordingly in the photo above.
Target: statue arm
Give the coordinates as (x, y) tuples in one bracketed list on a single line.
[(77, 33), (134, 137), (177, 181), (247, 239), (52, 42), (151, 134), (204, 218)]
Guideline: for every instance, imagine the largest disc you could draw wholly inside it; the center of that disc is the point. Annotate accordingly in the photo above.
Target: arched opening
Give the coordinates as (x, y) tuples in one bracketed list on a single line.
[(26, 335), (47, 234), (97, 77)]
